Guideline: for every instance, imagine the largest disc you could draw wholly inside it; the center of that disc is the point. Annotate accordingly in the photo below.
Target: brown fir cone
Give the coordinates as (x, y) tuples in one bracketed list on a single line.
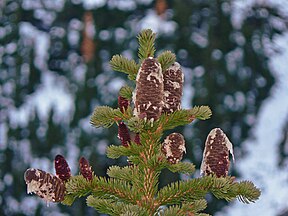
[(45, 185), (173, 87), (216, 154), (174, 147), (149, 93), (85, 169), (62, 168), (123, 103), (123, 134)]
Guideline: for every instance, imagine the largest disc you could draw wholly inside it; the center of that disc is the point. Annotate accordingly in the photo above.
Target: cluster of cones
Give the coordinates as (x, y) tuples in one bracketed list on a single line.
[(52, 187), (156, 93)]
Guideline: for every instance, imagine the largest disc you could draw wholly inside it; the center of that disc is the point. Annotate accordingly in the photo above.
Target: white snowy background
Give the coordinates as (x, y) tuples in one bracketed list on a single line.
[(261, 162)]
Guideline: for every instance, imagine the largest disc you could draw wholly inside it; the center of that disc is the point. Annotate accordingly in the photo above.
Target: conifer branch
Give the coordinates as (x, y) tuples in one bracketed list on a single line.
[(226, 188), (171, 211), (114, 189), (222, 188), (182, 117), (197, 205), (77, 186), (180, 191), (182, 167), (115, 208), (122, 64), (126, 92), (134, 210), (106, 206), (187, 208), (104, 116), (137, 125), (175, 119), (124, 173), (146, 40), (247, 192), (201, 112), (166, 59), (115, 152)]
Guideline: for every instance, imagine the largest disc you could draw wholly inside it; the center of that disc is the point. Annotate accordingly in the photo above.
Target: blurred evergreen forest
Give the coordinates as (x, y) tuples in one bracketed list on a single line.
[(54, 69)]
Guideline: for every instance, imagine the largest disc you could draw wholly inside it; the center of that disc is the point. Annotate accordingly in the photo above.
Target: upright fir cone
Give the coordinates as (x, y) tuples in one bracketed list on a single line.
[(174, 147), (173, 86), (62, 168), (216, 154), (149, 93), (123, 134), (123, 103), (85, 169), (45, 185)]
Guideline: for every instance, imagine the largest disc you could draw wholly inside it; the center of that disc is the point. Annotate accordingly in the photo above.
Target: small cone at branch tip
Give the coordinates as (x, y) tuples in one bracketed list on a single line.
[(62, 168), (137, 139), (148, 96), (216, 154), (123, 134), (123, 103), (47, 186), (85, 169), (173, 88), (173, 148)]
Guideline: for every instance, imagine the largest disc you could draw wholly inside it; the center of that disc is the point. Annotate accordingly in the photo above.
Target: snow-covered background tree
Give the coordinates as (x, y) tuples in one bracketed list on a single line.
[(56, 53)]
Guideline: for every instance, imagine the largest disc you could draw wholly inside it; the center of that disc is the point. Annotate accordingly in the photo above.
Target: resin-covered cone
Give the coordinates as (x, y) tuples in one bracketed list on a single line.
[(149, 93), (123, 134), (123, 103), (85, 169), (173, 88), (173, 148), (62, 168), (45, 185), (216, 154)]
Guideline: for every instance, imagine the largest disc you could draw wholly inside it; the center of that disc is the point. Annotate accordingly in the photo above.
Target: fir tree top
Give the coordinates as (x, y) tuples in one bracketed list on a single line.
[(133, 189)]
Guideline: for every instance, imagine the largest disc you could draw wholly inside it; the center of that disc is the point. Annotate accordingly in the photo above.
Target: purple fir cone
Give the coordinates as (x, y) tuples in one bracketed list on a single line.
[(62, 168), (123, 103), (85, 169), (123, 134)]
